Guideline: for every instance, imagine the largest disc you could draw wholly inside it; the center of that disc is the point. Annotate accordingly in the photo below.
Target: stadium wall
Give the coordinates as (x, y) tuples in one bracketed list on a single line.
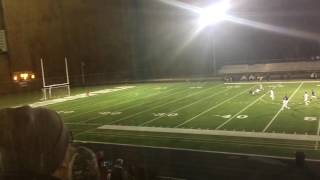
[(5, 80)]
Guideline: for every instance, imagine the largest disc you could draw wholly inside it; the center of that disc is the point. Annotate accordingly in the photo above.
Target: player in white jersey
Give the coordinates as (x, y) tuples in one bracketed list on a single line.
[(306, 98), (272, 94), (257, 91), (285, 102), (261, 87)]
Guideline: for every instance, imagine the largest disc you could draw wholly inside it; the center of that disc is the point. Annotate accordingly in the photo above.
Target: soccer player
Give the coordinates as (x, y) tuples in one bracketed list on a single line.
[(272, 94), (285, 102), (306, 98), (257, 91), (261, 87), (251, 92), (313, 94)]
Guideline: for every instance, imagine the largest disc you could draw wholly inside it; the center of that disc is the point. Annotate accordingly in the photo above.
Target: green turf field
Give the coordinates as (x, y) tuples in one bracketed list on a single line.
[(257, 124)]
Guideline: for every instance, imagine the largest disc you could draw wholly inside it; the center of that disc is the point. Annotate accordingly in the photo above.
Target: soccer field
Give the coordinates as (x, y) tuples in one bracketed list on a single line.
[(208, 116)]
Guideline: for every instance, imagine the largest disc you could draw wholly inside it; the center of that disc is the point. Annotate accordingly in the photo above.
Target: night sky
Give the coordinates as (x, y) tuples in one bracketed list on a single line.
[(247, 44), (144, 39)]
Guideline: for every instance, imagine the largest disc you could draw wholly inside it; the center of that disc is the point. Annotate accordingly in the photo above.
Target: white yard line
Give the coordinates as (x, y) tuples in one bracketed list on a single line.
[(272, 82), (194, 150), (186, 106), (121, 103), (78, 96), (84, 124), (130, 107), (160, 105), (141, 112), (91, 94), (277, 114), (213, 107), (245, 108), (318, 133)]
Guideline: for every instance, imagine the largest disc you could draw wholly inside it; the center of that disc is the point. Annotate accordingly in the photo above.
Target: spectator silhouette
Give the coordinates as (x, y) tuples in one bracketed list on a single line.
[(35, 144)]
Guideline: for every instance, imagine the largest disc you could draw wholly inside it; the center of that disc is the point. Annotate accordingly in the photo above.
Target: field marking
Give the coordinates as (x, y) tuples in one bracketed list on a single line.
[(194, 150), (318, 133), (84, 124), (135, 105), (129, 107), (263, 135), (280, 110), (200, 91), (211, 139), (212, 142), (213, 107), (118, 104), (160, 105), (78, 96), (128, 101), (85, 101), (273, 82), (245, 108), (186, 106)]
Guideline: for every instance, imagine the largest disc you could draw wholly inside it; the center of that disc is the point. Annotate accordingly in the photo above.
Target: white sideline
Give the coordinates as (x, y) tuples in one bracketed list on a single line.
[(297, 137), (78, 96), (194, 150), (277, 114), (213, 107), (245, 108), (272, 82)]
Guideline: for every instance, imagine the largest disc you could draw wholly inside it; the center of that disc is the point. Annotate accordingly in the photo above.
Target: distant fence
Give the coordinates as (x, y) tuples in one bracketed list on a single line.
[(303, 66)]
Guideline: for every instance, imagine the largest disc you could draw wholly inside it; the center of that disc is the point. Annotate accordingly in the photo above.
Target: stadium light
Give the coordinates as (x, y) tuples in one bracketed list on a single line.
[(214, 13)]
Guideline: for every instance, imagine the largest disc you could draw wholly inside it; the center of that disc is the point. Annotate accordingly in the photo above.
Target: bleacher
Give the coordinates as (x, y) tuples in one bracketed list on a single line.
[(303, 66)]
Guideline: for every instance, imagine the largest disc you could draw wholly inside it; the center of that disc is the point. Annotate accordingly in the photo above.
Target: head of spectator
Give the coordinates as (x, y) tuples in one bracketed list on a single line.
[(34, 144), (119, 163)]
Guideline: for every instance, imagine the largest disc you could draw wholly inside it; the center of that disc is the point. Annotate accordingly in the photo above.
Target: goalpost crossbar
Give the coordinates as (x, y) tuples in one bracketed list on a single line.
[(53, 86)]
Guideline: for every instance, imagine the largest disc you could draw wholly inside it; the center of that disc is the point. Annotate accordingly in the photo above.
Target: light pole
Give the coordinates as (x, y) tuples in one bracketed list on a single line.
[(213, 51), (210, 16)]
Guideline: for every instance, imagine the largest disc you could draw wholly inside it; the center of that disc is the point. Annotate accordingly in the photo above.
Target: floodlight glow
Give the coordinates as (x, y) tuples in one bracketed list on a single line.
[(214, 13)]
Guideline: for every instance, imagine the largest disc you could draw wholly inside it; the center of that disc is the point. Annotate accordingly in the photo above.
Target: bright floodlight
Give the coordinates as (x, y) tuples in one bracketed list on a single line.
[(214, 13)]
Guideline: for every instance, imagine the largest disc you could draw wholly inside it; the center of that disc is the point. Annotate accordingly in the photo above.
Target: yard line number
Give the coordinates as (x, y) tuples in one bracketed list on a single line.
[(310, 118), (165, 114), (110, 113), (242, 116), (65, 112)]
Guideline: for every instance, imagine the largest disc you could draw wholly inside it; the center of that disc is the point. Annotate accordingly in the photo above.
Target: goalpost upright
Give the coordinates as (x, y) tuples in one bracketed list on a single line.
[(50, 87)]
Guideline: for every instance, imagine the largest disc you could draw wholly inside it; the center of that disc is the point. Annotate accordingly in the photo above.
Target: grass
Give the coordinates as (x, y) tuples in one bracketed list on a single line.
[(196, 105)]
